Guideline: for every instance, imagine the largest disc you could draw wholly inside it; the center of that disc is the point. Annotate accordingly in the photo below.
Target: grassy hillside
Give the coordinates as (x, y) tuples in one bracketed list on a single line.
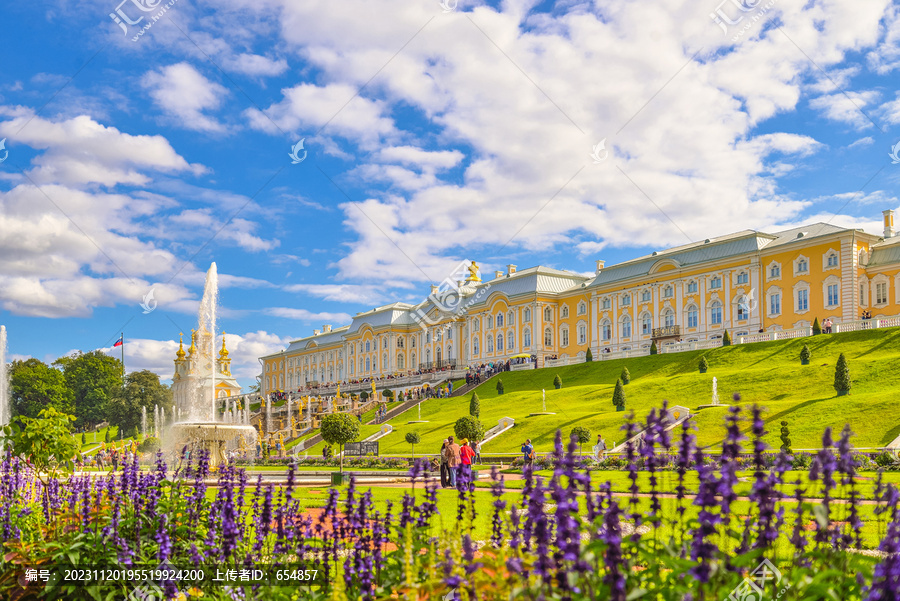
[(767, 373)]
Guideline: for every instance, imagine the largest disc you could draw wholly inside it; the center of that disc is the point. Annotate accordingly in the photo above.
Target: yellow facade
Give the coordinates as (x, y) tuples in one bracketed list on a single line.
[(745, 283)]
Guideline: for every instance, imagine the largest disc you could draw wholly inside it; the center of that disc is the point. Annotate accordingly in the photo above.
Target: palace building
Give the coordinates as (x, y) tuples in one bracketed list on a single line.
[(746, 282)]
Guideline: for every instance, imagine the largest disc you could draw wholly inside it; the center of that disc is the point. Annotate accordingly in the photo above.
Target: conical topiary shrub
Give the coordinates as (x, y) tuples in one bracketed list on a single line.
[(588, 356), (703, 365), (785, 439), (653, 349), (499, 386), (842, 381), (726, 339), (557, 382), (817, 329), (619, 396), (626, 376), (805, 355), (475, 406)]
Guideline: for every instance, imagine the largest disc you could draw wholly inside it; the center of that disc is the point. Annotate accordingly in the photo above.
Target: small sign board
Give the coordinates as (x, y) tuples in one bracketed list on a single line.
[(361, 449)]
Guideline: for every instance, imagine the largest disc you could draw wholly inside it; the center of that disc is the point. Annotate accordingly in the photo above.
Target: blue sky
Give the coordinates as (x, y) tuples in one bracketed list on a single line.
[(433, 133)]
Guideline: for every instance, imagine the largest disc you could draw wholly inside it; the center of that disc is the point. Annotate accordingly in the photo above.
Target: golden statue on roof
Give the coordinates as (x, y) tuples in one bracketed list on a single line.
[(473, 272)]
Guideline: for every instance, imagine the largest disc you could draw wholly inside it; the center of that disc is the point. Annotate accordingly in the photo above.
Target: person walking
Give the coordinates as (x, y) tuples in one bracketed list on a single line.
[(445, 471), (476, 446), (528, 453), (453, 460), (465, 455), (600, 448), (115, 460)]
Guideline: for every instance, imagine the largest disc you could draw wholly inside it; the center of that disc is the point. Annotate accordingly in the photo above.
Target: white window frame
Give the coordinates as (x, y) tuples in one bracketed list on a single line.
[(742, 278), (646, 296), (564, 336), (800, 261), (828, 255), (693, 287), (692, 308), (582, 308), (715, 282), (769, 267), (715, 309)]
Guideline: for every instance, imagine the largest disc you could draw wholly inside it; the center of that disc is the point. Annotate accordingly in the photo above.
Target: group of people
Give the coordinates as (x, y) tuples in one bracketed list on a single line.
[(455, 457), (866, 315), (827, 325), (598, 452)]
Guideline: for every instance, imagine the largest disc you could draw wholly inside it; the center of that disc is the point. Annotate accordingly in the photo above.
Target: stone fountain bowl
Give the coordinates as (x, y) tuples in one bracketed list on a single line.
[(212, 437)]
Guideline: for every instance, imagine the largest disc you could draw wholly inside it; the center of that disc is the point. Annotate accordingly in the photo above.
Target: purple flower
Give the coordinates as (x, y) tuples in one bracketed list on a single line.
[(499, 507), (731, 449), (703, 549), (614, 578), (823, 467), (886, 580)]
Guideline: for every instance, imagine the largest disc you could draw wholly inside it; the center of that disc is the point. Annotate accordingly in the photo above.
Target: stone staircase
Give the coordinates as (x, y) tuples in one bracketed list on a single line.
[(467, 387)]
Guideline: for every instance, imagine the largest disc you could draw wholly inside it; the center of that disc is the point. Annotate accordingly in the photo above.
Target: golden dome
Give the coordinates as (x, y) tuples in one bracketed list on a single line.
[(223, 354), (180, 353), (193, 348)]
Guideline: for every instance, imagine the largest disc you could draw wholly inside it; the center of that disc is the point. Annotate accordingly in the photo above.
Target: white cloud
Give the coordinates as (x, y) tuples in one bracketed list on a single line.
[(848, 107), (308, 316), (184, 93), (256, 65), (342, 293), (866, 141)]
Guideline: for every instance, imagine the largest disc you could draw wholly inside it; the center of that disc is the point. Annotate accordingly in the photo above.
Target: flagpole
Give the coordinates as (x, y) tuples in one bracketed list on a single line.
[(123, 355)]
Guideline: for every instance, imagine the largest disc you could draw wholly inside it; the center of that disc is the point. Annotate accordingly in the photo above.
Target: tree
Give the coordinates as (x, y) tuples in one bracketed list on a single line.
[(92, 378), (557, 382), (387, 393), (619, 396), (142, 389), (35, 386), (726, 339), (805, 355), (106, 435), (83, 438), (400, 396), (475, 406), (704, 365), (46, 441), (626, 376), (817, 329), (653, 349), (499, 386), (364, 396), (468, 427), (842, 381), (588, 356), (785, 439), (339, 429), (582, 434), (413, 439)]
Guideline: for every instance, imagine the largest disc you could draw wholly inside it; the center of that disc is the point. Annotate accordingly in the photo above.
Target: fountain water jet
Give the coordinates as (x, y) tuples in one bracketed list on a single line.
[(199, 428)]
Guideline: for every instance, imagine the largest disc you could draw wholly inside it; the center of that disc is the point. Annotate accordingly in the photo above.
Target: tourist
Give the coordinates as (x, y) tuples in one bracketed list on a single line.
[(828, 323), (445, 472), (599, 448), (466, 453), (528, 452), (453, 460), (115, 460), (476, 446)]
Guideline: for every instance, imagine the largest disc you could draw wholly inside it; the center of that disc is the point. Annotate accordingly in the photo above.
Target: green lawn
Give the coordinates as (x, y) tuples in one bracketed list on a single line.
[(767, 373)]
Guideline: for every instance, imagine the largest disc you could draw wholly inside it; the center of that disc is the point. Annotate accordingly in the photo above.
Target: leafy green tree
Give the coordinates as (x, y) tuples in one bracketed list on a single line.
[(653, 349), (816, 329), (726, 339), (588, 356), (785, 439), (46, 441), (557, 382), (499, 386), (92, 378), (805, 355), (388, 394), (703, 365), (619, 396), (468, 427), (364, 396), (142, 389), (149, 445), (400, 396), (626, 376), (475, 406), (842, 381), (35, 386), (339, 429), (413, 438), (581, 434)]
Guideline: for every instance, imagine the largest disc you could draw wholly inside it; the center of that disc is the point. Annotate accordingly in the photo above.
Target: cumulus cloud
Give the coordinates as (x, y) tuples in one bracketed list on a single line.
[(185, 94)]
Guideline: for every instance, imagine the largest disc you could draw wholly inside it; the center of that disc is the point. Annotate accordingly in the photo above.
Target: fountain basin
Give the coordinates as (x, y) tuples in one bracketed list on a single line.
[(212, 437)]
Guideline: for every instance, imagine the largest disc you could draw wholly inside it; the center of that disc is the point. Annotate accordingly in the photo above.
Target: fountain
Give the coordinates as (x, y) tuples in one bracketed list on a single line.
[(143, 421), (4, 380), (199, 430), (543, 410), (419, 420)]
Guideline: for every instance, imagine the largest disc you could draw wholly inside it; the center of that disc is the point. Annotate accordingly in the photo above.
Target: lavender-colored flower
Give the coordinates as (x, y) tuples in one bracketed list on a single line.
[(614, 578), (886, 580), (823, 467), (631, 457), (846, 466), (499, 507), (703, 549)]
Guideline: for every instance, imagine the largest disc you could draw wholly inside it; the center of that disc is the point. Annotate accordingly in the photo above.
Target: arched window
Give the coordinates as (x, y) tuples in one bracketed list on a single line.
[(547, 314), (428, 355), (475, 325), (490, 343), (412, 342), (667, 292), (715, 313), (743, 278), (475, 346), (582, 308), (489, 323), (374, 363), (384, 361), (400, 342), (645, 296), (605, 303), (526, 336), (400, 361), (499, 342), (499, 320), (427, 337), (626, 327), (605, 330), (511, 319), (527, 315), (449, 351), (582, 334), (412, 359), (368, 364), (510, 341), (564, 313), (564, 337), (669, 318), (715, 282), (646, 324), (383, 342), (548, 337), (692, 287), (626, 300)]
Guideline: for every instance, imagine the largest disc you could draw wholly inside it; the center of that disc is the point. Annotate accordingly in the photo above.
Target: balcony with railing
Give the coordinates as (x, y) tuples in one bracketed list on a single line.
[(666, 332)]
